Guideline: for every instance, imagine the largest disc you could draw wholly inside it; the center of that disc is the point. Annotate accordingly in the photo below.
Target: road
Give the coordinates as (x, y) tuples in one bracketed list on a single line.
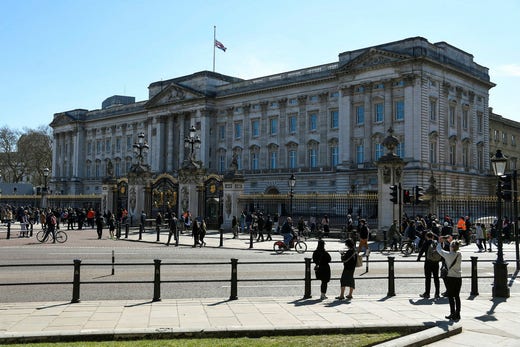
[(261, 272)]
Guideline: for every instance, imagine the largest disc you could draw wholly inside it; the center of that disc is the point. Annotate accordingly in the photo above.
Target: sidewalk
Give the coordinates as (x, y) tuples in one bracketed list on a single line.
[(485, 321), (491, 323)]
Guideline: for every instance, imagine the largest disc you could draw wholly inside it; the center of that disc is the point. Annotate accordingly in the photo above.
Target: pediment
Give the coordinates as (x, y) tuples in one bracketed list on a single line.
[(374, 58), (61, 119), (172, 94)]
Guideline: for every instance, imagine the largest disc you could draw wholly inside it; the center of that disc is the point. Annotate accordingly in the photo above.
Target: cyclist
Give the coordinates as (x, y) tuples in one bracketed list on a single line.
[(287, 232)]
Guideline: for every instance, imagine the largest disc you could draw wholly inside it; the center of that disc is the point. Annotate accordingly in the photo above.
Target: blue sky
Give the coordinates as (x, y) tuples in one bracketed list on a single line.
[(59, 55)]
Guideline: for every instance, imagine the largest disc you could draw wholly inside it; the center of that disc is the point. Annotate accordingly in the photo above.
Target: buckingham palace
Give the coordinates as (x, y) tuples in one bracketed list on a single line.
[(325, 124)]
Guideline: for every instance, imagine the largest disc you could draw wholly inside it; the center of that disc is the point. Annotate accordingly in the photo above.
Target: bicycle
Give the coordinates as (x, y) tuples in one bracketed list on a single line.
[(385, 247), (61, 236), (299, 246), (408, 247)]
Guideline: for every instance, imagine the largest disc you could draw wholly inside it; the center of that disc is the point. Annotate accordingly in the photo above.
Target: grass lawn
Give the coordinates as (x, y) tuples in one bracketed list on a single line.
[(351, 340)]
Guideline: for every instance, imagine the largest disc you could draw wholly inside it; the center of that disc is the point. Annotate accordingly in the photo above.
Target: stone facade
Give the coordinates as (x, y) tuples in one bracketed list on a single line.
[(325, 124)]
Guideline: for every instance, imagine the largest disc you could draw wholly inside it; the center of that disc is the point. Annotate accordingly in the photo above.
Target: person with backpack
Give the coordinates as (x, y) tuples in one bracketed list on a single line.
[(431, 265)]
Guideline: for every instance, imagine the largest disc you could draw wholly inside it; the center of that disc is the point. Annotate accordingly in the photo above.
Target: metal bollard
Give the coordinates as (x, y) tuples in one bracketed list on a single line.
[(76, 281), (118, 231), (234, 279), (127, 229), (8, 230), (157, 280), (221, 237), (251, 238), (141, 227), (158, 230), (113, 262), (307, 293), (366, 261), (391, 277), (474, 276), (176, 237)]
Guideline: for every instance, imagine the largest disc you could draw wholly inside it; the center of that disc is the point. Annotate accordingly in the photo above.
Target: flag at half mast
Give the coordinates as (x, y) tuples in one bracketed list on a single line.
[(220, 45)]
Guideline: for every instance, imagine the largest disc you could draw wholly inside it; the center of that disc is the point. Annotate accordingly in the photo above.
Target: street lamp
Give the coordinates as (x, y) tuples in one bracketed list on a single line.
[(192, 141), (500, 288), (44, 190), (292, 183)]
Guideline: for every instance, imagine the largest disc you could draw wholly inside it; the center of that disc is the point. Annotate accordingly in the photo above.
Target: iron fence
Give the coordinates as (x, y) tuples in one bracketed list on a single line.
[(234, 278)]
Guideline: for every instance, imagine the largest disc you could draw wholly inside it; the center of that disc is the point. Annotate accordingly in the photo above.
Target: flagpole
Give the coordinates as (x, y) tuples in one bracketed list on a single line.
[(214, 38)]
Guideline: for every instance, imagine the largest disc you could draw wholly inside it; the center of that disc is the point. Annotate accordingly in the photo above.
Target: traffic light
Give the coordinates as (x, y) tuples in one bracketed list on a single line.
[(418, 194), (394, 193), (406, 197), (506, 184)]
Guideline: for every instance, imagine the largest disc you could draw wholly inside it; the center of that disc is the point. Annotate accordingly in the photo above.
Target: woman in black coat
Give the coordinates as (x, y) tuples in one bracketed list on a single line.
[(322, 258), (349, 259)]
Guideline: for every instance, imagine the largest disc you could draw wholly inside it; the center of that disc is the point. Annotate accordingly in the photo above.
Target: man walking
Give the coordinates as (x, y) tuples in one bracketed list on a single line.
[(431, 265)]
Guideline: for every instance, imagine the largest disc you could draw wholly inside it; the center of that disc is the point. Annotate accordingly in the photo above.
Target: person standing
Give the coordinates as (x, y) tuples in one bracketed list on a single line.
[(202, 232), (269, 227), (453, 259), (195, 232), (99, 225), (394, 236), (349, 259), (431, 265), (325, 224), (363, 236), (111, 225), (481, 237), (234, 227), (322, 259), (260, 225)]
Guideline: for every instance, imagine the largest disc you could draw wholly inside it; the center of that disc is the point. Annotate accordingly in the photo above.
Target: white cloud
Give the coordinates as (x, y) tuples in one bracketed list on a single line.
[(508, 70)]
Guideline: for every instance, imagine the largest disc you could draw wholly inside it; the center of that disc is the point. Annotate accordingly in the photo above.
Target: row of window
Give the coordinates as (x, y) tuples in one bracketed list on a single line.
[(105, 145), (452, 116), (504, 137)]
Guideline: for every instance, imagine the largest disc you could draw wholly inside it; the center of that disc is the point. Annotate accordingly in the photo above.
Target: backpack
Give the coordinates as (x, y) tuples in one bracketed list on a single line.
[(432, 254), (53, 220)]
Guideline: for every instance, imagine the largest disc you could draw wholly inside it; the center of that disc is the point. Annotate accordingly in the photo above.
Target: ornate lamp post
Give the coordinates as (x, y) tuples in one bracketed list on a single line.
[(140, 147), (292, 183), (192, 142), (500, 288)]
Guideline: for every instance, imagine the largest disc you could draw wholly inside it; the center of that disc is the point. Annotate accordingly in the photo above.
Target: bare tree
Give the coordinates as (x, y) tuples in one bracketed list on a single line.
[(35, 149), (9, 163)]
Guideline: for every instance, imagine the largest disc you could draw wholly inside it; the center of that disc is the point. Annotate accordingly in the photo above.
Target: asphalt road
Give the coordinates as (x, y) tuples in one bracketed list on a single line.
[(261, 272)]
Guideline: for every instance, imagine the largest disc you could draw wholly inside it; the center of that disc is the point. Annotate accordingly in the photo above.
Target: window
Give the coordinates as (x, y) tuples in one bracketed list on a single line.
[(292, 124), (108, 145), (273, 126), (239, 161), (254, 161), (118, 169), (378, 151), (504, 138), (273, 160), (292, 159), (513, 140), (495, 135), (118, 144), (222, 132), (451, 116), (480, 158), (334, 155), (399, 110), (255, 128), (89, 147), (87, 171), (465, 119), (433, 152), (238, 130), (360, 114), (313, 122), (334, 119), (129, 143), (360, 154), (313, 160), (400, 150), (99, 146), (452, 154), (433, 110), (379, 110), (98, 169), (334, 94), (480, 122), (465, 156), (221, 162)]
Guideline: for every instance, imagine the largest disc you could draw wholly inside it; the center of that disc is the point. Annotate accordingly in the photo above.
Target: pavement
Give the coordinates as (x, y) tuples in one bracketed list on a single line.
[(486, 321)]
